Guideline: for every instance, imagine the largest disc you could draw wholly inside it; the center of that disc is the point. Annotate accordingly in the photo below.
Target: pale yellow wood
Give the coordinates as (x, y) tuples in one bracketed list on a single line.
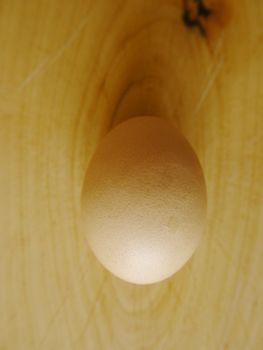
[(69, 70)]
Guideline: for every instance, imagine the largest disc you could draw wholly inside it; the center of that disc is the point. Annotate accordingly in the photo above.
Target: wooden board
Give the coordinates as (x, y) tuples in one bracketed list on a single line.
[(69, 71)]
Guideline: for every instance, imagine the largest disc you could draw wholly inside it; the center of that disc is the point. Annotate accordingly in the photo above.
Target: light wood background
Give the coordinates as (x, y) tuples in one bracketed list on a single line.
[(69, 71)]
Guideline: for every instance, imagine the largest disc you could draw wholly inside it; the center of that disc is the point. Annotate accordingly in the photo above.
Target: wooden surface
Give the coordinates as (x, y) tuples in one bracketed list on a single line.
[(69, 71)]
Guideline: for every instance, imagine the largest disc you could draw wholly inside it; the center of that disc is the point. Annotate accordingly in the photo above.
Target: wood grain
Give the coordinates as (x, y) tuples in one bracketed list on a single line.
[(70, 70)]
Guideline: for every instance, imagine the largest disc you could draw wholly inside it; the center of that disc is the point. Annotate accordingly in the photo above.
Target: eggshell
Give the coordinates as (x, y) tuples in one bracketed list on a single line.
[(144, 200)]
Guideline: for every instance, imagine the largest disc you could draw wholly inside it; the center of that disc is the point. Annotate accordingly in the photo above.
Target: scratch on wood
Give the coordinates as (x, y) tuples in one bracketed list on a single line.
[(51, 322), (93, 308), (213, 72), (53, 58), (60, 306)]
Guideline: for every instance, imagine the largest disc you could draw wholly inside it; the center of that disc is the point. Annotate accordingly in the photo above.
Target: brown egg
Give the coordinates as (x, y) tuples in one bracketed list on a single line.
[(144, 200)]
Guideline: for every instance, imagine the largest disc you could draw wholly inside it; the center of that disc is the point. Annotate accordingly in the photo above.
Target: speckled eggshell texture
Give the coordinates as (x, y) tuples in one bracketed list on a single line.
[(143, 202)]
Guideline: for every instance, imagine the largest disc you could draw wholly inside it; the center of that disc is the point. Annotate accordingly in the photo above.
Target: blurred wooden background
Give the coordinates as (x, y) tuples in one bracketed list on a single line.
[(69, 71)]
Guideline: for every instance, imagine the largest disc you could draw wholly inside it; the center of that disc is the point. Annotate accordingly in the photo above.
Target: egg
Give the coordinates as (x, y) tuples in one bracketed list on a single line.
[(144, 200)]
